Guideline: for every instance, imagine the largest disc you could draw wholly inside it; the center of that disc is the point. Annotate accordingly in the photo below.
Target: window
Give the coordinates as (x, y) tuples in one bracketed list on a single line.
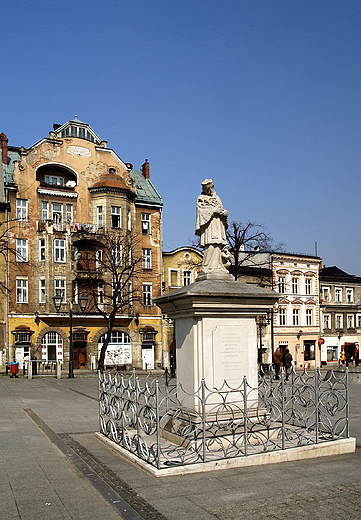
[(60, 288), (52, 347), (309, 317), (44, 211), (59, 250), (100, 294), (339, 321), (117, 255), (147, 294), (282, 317), (21, 250), (358, 320), (118, 293), (129, 220), (54, 180), (57, 216), (338, 294), (69, 213), (349, 295), (296, 317), (294, 285), (282, 284), (350, 321), (21, 290), (100, 216), (308, 286), (42, 250), (98, 259), (42, 294), (22, 210), (187, 277), (147, 258), (173, 278), (116, 217), (76, 291), (326, 294), (326, 321), (146, 223)]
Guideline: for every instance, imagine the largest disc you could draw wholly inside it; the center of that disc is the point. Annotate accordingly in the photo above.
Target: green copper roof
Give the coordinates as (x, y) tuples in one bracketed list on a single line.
[(146, 191)]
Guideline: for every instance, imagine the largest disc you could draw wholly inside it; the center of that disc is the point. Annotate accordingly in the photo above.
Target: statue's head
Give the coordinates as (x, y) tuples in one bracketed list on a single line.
[(207, 186)]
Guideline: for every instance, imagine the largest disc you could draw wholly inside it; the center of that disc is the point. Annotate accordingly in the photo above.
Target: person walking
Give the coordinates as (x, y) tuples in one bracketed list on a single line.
[(277, 360), (288, 362)]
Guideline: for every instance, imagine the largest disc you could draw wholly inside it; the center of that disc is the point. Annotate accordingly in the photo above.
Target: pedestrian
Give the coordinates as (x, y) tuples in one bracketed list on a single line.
[(288, 362), (277, 360)]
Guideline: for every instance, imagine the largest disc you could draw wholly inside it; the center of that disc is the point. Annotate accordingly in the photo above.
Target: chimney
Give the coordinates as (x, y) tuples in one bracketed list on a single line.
[(145, 169), (4, 147)]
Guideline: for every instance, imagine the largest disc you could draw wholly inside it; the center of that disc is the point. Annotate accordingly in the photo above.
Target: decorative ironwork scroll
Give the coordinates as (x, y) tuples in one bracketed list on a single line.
[(164, 425)]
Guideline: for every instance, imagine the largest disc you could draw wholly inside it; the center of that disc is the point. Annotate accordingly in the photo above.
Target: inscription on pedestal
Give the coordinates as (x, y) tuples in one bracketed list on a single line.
[(230, 355)]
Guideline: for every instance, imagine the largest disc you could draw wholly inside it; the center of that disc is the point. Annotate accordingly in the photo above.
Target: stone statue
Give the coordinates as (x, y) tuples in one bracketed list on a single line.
[(211, 225)]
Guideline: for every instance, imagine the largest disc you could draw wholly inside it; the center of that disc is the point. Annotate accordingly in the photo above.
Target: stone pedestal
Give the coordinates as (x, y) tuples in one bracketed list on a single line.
[(216, 335)]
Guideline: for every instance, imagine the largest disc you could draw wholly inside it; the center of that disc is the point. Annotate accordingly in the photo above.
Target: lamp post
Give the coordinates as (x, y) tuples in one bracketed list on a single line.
[(83, 301), (263, 321)]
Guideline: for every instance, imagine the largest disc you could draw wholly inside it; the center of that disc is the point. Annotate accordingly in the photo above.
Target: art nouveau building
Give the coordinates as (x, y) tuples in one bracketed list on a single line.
[(66, 192)]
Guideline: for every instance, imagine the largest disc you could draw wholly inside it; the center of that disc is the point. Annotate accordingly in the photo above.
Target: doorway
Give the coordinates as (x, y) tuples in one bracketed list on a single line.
[(79, 354), (148, 358), (309, 350)]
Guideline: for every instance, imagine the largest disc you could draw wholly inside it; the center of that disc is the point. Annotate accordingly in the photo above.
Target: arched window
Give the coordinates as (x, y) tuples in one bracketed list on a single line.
[(119, 351), (52, 347)]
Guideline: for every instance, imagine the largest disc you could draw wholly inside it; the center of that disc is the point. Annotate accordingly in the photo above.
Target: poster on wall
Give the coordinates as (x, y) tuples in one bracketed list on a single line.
[(117, 354)]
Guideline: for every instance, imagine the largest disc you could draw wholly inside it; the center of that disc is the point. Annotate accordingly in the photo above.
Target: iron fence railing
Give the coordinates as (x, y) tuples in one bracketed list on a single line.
[(161, 423)]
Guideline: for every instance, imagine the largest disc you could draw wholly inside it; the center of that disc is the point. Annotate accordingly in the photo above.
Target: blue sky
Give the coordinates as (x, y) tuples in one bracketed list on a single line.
[(261, 96)]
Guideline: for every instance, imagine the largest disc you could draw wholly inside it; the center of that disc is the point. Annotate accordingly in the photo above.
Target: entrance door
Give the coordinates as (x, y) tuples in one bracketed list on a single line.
[(79, 354), (148, 358), (309, 350)]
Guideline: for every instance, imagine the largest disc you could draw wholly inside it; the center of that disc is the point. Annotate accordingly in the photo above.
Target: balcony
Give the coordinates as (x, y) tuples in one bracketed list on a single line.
[(87, 229)]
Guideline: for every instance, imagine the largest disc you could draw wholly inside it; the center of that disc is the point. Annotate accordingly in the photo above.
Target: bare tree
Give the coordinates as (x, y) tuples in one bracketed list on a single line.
[(109, 268), (247, 242)]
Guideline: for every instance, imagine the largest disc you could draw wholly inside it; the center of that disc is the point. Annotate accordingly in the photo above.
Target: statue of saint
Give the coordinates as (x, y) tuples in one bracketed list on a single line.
[(211, 225)]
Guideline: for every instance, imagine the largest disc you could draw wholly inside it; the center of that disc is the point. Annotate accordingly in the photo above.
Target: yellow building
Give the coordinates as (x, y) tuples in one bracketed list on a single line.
[(180, 267), (67, 193)]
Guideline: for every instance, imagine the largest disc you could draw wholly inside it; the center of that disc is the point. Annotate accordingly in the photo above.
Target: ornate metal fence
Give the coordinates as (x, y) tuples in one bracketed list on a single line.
[(166, 426)]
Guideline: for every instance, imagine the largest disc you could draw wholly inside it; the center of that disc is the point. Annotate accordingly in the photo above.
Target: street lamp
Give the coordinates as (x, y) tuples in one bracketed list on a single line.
[(263, 321), (83, 301)]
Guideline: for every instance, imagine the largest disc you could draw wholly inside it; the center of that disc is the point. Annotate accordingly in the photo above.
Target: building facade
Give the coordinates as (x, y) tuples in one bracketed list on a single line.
[(340, 314), (180, 268), (294, 322), (67, 194), (296, 318)]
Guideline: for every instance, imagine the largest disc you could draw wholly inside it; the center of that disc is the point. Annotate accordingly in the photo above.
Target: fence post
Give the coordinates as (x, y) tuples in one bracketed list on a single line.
[(245, 415), (204, 419), (137, 407), (283, 408), (347, 406), (58, 370), (317, 401), (158, 422), (30, 368)]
